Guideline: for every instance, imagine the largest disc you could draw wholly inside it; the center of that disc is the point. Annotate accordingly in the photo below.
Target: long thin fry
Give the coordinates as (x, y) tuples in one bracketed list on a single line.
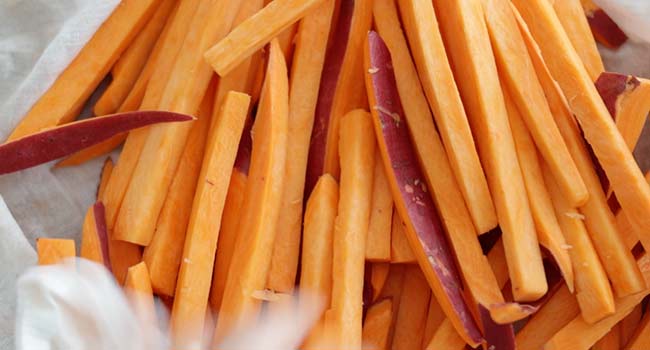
[(378, 243)]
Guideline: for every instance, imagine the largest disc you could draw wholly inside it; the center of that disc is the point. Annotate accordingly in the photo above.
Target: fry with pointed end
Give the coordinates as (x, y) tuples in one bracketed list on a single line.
[(138, 289), (52, 251), (94, 236), (376, 325)]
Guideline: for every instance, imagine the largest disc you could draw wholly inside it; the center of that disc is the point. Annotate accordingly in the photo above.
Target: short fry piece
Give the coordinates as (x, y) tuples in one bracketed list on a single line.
[(400, 250), (376, 325), (379, 241), (94, 237), (378, 276), (603, 27), (138, 288), (52, 251), (412, 314)]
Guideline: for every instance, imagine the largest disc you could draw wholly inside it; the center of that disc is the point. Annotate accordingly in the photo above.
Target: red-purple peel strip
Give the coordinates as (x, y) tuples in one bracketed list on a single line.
[(600, 22), (102, 232), (391, 129), (64, 140), (612, 85)]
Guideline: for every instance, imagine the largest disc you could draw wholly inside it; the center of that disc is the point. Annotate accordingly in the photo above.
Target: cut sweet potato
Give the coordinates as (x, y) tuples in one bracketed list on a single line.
[(518, 77), (308, 60), (412, 315), (379, 242), (357, 154), (435, 72), (628, 326), (52, 251), (341, 89), (64, 99), (376, 325), (94, 237), (603, 27), (611, 340), (260, 209), (138, 289), (47, 145), (573, 19), (467, 39), (255, 32), (400, 250), (393, 290), (446, 337), (93, 151), (641, 337), (163, 255), (107, 170), (378, 276), (599, 220), (195, 274), (622, 171), (435, 317), (414, 204), (163, 148)]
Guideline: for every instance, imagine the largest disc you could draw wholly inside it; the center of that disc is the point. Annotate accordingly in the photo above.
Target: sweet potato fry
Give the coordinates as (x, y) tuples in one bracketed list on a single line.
[(412, 315), (376, 325), (628, 326), (434, 71), (195, 272), (379, 242), (57, 142), (308, 61), (393, 290), (435, 317), (446, 337), (255, 32), (611, 340), (94, 237), (641, 337), (260, 209), (138, 289), (64, 99), (400, 250), (467, 39), (107, 170), (378, 276), (604, 29), (573, 20), (52, 251)]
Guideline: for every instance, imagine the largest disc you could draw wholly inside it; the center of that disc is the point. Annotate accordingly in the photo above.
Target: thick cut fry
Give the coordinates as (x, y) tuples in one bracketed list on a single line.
[(306, 72), (138, 288), (379, 242), (618, 261), (107, 170), (163, 148), (412, 315), (548, 230), (128, 67), (592, 286), (378, 276), (624, 175), (446, 338), (442, 93), (52, 251), (163, 255), (466, 36), (376, 325), (64, 99), (573, 19), (435, 317), (255, 32), (518, 77), (195, 272), (249, 268), (603, 27), (341, 88), (400, 250), (357, 153), (94, 237)]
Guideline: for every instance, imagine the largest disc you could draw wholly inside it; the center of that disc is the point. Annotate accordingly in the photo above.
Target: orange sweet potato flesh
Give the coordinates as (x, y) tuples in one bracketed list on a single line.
[(376, 325), (260, 209), (163, 255), (52, 251), (378, 243), (140, 293), (467, 39), (412, 314), (195, 274), (611, 340), (624, 175), (94, 237), (435, 71), (63, 100), (641, 337), (357, 155), (446, 337), (341, 88), (400, 250), (107, 170), (378, 276), (308, 61), (628, 326), (393, 290)]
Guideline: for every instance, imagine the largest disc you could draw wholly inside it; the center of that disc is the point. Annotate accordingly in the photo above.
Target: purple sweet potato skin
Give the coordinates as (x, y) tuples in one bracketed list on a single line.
[(64, 140), (497, 336), (600, 22), (329, 78), (102, 233), (401, 162), (612, 85)]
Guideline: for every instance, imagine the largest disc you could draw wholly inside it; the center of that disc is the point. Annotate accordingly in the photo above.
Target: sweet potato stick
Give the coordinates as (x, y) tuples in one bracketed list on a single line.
[(341, 88), (138, 289), (599, 220), (518, 76), (52, 251), (260, 210), (641, 337), (573, 20), (412, 315), (164, 146), (379, 242), (286, 40), (357, 153), (107, 170), (627, 181), (252, 34), (592, 286), (306, 73), (628, 326), (446, 338), (434, 71), (64, 99), (611, 340), (92, 152), (94, 237), (378, 276), (604, 29), (628, 100), (376, 325), (393, 290), (163, 255), (579, 334), (413, 202), (467, 39), (548, 230), (195, 272), (400, 250), (128, 67)]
